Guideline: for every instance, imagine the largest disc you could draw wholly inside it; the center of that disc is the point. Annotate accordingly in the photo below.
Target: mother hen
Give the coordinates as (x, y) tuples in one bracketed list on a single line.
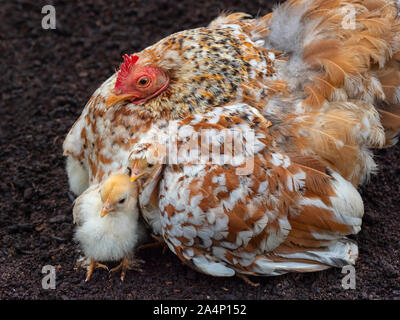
[(326, 73)]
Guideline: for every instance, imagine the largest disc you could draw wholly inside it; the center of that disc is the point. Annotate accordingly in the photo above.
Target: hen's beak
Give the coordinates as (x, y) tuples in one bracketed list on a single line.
[(115, 98), (135, 172), (106, 209)]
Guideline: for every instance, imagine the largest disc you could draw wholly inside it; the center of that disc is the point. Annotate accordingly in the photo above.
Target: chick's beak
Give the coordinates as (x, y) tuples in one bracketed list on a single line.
[(115, 98), (106, 209), (134, 177), (135, 172)]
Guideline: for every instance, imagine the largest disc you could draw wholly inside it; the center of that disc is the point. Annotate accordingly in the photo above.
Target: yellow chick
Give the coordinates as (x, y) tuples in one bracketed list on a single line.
[(108, 226)]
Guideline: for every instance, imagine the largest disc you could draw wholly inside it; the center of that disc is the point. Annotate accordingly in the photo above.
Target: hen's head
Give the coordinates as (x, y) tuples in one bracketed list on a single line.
[(137, 82), (186, 72)]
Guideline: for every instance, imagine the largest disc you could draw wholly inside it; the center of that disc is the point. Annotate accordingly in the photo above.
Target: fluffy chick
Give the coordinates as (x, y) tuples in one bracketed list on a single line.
[(108, 226)]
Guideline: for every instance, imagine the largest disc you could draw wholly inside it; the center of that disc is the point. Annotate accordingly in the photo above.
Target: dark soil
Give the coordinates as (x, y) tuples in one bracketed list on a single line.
[(46, 78)]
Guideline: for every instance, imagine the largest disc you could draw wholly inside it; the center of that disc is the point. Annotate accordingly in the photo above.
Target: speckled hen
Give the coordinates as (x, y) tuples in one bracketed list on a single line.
[(328, 86)]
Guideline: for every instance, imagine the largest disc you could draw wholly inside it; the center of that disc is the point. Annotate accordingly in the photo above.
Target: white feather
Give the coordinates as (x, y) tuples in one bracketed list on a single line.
[(78, 176)]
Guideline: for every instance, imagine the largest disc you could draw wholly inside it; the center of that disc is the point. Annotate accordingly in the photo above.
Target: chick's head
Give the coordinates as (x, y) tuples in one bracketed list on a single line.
[(145, 159), (119, 195)]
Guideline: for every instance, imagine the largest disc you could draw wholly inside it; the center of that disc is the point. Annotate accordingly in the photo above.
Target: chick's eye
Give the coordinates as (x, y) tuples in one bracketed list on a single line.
[(121, 201), (143, 82)]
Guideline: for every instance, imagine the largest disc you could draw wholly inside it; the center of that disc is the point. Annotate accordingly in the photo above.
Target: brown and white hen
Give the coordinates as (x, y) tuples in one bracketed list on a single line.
[(331, 92)]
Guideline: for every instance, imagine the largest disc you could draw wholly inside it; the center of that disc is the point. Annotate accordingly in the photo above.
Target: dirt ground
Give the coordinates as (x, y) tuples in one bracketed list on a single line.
[(46, 78)]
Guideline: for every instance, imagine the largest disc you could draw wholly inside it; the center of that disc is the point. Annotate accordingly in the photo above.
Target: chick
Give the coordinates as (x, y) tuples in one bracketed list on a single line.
[(108, 226), (140, 169), (145, 160)]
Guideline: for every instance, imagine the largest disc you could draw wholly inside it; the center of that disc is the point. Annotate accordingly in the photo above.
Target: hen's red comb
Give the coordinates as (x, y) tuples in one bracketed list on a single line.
[(126, 67)]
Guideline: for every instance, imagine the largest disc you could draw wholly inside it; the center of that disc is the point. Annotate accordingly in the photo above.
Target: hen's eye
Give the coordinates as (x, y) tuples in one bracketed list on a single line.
[(121, 201), (143, 82)]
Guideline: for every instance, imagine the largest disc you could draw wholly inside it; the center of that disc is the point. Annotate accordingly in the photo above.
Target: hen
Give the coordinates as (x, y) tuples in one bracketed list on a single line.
[(108, 226), (330, 89)]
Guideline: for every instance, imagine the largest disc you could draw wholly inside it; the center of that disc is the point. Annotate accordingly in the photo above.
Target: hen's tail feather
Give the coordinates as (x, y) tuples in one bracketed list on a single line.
[(286, 259), (341, 50), (390, 118), (340, 135), (338, 50)]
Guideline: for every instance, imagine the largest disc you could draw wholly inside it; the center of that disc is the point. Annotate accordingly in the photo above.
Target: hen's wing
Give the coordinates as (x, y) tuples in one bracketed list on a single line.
[(81, 140), (266, 213), (76, 141)]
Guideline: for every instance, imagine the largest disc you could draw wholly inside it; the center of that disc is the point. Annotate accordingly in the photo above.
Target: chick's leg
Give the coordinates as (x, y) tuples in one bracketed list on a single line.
[(128, 263), (93, 265)]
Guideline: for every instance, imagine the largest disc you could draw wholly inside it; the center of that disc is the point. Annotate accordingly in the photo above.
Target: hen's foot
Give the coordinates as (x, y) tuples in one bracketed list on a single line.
[(128, 264), (248, 281), (93, 265)]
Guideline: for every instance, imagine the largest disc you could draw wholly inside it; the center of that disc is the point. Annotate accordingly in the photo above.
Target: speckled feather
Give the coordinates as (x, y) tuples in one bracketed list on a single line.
[(291, 213), (208, 68), (244, 60)]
